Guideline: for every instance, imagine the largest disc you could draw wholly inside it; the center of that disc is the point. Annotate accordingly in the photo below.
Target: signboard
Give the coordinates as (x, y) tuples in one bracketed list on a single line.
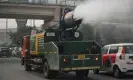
[(50, 34)]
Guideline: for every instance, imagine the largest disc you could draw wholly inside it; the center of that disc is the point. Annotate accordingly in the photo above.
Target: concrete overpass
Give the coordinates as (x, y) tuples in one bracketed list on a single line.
[(31, 11), (21, 10), (28, 11)]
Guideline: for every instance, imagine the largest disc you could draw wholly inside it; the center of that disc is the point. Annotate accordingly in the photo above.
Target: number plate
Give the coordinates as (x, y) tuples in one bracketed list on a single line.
[(81, 57)]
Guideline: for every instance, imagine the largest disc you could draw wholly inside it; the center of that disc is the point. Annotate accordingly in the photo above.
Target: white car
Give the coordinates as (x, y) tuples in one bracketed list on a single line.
[(117, 58)]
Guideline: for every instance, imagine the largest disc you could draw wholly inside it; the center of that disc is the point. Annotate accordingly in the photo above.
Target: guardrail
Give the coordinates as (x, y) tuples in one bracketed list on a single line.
[(44, 2)]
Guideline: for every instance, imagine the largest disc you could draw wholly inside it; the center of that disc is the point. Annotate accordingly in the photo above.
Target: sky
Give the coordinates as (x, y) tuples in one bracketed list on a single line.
[(12, 23)]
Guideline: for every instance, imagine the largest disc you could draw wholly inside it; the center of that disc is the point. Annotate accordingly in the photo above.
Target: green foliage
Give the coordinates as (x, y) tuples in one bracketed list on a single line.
[(123, 35), (87, 31), (107, 33), (18, 36), (113, 34)]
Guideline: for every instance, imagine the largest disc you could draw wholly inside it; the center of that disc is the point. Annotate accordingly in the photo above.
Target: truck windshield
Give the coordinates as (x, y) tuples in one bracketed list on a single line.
[(129, 49)]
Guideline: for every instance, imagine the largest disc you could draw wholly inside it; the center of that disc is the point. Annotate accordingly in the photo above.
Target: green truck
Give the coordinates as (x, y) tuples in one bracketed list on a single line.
[(60, 50)]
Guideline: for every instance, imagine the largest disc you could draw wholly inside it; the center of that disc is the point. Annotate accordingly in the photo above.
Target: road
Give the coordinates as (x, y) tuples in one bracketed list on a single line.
[(10, 69)]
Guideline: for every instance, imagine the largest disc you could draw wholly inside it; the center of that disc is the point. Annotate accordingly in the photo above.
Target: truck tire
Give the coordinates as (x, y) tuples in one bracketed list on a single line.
[(86, 73), (117, 72), (82, 73), (96, 71), (49, 73), (27, 66)]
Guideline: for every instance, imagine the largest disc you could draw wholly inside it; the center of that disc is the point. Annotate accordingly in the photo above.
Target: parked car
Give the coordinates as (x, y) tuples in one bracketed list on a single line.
[(117, 58), (16, 52), (4, 51)]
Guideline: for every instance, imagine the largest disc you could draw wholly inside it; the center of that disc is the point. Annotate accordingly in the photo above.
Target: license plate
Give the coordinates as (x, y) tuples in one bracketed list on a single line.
[(81, 57)]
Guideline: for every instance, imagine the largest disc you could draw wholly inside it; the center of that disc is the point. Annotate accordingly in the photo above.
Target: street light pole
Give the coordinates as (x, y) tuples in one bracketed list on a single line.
[(6, 29), (94, 36), (34, 24)]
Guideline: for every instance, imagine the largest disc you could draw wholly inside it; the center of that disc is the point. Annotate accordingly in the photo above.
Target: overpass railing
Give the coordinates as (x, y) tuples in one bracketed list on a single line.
[(44, 2)]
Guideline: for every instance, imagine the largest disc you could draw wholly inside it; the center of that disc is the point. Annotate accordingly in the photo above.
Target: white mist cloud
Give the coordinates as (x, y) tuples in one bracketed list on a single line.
[(103, 10)]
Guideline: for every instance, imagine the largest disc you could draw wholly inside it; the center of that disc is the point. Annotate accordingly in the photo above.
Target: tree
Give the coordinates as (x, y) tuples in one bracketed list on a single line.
[(87, 31), (22, 31), (123, 35)]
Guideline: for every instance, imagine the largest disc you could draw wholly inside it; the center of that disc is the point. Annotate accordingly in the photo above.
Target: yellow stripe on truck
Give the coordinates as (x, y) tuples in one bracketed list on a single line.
[(36, 44), (38, 36), (33, 52)]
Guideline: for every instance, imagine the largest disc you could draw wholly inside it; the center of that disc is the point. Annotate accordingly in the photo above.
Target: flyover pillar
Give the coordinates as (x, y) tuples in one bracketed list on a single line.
[(21, 23)]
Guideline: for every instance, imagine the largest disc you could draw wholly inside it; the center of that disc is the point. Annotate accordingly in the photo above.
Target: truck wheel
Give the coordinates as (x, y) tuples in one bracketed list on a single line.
[(86, 73), (49, 73), (117, 72), (27, 66), (81, 74), (96, 71)]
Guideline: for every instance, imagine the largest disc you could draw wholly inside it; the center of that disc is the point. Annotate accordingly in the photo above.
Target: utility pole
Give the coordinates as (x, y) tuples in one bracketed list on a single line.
[(95, 32), (34, 24), (6, 29), (34, 27)]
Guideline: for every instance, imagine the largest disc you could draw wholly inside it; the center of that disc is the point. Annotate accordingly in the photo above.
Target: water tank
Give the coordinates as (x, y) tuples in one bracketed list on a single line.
[(68, 18)]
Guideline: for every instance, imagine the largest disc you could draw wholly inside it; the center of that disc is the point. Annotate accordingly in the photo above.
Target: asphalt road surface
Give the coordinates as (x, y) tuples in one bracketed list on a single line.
[(10, 69)]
